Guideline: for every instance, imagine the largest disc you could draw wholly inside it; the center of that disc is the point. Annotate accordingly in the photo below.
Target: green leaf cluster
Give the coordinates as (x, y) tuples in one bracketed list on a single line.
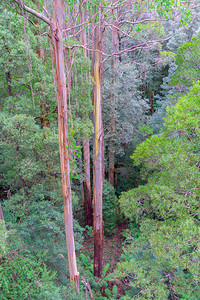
[(149, 29), (23, 278), (28, 153), (187, 60)]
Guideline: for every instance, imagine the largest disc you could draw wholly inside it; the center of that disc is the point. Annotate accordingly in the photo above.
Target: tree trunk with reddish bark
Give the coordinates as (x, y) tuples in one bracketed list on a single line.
[(63, 136), (97, 155)]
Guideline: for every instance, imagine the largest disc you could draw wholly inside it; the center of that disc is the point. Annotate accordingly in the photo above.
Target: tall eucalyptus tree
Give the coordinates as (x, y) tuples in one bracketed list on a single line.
[(98, 151), (56, 25)]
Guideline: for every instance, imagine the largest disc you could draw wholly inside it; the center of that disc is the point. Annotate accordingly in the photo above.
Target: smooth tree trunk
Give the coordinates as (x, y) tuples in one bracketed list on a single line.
[(86, 143), (63, 135), (97, 155)]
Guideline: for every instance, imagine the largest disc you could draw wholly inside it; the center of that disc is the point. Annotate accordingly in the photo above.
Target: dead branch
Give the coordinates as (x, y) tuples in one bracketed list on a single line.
[(87, 287)]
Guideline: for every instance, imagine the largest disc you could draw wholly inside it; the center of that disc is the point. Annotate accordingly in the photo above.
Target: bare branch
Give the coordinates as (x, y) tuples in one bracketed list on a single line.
[(87, 286), (33, 12), (142, 21)]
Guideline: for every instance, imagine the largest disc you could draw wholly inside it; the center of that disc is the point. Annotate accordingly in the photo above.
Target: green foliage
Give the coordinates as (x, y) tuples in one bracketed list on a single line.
[(164, 250), (26, 158), (145, 130), (89, 230), (110, 208), (87, 262), (166, 7), (41, 231), (81, 96), (80, 83), (167, 53), (30, 169), (3, 238), (105, 270), (30, 173), (86, 267), (164, 259), (129, 111), (187, 60), (113, 293), (69, 292), (76, 152), (28, 75), (130, 108), (149, 29), (21, 277)]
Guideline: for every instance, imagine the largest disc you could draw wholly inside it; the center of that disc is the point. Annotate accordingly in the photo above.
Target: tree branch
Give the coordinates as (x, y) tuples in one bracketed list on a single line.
[(87, 286), (33, 12)]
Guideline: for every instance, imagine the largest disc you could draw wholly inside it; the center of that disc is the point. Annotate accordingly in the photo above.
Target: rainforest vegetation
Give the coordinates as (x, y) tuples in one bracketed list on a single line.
[(99, 149)]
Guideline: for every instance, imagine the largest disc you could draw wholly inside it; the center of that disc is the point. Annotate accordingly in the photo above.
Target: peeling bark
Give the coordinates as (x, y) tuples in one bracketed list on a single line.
[(63, 136), (97, 156)]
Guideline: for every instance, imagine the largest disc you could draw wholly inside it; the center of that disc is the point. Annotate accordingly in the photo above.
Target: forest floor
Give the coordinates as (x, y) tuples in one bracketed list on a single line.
[(112, 250)]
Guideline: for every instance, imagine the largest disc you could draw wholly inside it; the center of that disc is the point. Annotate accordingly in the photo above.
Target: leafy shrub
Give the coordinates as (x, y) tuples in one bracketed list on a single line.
[(41, 230), (23, 278), (86, 267)]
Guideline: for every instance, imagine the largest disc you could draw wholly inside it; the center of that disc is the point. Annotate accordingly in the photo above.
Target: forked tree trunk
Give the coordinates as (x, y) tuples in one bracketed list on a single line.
[(97, 156), (86, 144), (63, 135)]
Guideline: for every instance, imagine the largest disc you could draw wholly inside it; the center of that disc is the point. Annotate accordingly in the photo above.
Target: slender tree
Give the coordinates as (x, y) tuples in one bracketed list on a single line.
[(57, 38), (86, 143), (98, 151)]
